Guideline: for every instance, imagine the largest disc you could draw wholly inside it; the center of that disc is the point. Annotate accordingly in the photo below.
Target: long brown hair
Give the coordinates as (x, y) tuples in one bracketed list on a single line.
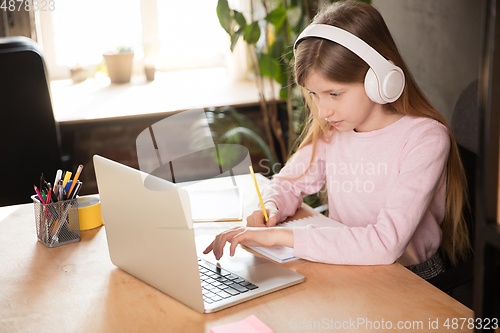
[(338, 64)]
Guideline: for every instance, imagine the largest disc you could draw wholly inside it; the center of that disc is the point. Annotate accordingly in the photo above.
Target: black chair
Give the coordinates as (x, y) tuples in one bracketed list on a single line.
[(457, 280), (29, 137)]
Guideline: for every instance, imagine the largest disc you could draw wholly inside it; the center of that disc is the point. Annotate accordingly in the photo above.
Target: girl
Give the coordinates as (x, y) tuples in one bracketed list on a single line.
[(391, 165)]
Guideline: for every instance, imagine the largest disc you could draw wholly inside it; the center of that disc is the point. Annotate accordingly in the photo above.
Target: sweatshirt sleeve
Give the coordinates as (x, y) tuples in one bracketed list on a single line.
[(293, 182), (422, 165)]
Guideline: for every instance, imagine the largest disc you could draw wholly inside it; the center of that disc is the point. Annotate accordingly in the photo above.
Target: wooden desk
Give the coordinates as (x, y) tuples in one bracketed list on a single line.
[(76, 288)]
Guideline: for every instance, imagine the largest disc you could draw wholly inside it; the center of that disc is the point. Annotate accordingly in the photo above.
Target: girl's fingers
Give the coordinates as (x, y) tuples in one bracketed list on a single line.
[(256, 219), (218, 244), (273, 214), (273, 219), (232, 248), (241, 235), (252, 237), (209, 248), (237, 239)]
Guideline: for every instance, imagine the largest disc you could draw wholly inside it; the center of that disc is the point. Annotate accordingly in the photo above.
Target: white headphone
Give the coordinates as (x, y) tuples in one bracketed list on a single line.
[(384, 82)]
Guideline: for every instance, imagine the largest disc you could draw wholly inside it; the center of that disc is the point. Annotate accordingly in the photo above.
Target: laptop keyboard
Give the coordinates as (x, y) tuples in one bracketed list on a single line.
[(218, 284)]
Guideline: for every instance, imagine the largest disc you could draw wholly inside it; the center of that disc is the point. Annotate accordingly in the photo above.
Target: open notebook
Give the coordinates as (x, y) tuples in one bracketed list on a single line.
[(283, 254), (223, 204)]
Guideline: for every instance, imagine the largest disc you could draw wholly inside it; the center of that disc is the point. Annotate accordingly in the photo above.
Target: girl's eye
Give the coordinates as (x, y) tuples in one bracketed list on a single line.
[(334, 95), (312, 93)]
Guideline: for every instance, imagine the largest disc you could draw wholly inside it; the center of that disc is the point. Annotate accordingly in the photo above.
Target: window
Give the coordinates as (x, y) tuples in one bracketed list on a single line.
[(176, 35), (190, 35)]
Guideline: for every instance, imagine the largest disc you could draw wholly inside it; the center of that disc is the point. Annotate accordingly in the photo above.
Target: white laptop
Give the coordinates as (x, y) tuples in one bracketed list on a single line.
[(150, 236)]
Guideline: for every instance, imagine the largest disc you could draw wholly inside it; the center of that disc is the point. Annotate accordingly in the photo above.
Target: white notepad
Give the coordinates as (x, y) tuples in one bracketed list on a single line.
[(223, 204), (283, 254)]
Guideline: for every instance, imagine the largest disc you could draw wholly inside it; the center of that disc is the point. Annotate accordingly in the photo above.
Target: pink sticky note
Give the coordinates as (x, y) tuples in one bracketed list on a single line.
[(250, 324)]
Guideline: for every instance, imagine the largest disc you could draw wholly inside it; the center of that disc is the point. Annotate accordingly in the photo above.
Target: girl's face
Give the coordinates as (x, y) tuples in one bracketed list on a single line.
[(345, 106)]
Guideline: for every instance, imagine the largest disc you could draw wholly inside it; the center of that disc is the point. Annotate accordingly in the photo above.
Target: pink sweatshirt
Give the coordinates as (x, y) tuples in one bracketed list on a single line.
[(387, 187)]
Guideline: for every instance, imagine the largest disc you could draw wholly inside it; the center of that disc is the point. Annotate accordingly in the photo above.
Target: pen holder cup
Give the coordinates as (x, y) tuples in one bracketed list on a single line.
[(57, 223)]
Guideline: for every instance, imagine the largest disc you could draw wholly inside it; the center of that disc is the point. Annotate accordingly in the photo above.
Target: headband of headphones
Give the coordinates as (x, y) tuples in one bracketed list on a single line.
[(384, 83)]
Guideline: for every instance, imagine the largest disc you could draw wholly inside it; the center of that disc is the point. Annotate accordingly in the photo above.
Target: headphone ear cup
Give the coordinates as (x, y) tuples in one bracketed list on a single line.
[(372, 87), (393, 85)]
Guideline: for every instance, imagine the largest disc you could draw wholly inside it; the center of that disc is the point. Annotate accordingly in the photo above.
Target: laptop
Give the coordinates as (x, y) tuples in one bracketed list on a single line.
[(150, 235)]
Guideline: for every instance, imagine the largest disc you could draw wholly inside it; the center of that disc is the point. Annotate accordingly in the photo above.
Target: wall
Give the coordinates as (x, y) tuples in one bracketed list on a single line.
[(440, 41)]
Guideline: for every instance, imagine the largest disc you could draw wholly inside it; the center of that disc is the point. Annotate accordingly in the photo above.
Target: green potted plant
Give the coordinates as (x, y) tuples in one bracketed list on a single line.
[(119, 64)]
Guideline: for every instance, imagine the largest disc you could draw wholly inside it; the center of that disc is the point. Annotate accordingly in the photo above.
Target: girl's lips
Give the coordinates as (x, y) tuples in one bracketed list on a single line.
[(335, 123)]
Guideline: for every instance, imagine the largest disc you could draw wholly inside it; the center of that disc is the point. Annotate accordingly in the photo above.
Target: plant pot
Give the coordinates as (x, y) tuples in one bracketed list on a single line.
[(119, 66)]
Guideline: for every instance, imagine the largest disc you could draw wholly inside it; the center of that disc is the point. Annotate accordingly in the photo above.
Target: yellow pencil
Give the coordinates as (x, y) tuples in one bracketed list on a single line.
[(258, 192), (78, 171), (67, 177)]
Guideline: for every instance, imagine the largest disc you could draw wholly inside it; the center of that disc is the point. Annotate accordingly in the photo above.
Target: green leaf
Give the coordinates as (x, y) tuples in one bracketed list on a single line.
[(284, 72), (269, 66), (284, 92), (240, 19), (224, 15), (277, 48), (288, 53), (252, 33), (277, 17), (235, 37)]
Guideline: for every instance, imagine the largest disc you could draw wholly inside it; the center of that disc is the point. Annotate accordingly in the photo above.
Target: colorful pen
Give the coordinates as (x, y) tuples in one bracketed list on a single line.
[(78, 171), (66, 189), (56, 180), (39, 195), (77, 189), (53, 196), (48, 196), (60, 190)]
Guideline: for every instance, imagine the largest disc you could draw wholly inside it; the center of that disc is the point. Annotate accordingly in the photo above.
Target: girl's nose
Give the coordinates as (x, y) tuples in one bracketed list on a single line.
[(325, 110)]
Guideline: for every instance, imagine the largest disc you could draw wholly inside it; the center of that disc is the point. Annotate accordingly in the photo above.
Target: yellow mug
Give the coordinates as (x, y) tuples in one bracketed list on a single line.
[(89, 212)]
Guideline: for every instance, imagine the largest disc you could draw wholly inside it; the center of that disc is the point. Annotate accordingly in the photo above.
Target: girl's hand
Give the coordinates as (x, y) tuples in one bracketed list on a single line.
[(256, 219), (249, 237)]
